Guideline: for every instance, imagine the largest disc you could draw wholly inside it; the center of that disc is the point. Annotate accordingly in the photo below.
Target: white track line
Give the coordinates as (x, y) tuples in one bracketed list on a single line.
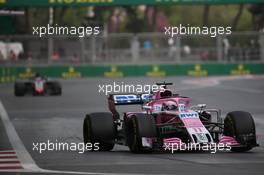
[(24, 157), (26, 161), (3, 155), (9, 161), (9, 165), (4, 160)]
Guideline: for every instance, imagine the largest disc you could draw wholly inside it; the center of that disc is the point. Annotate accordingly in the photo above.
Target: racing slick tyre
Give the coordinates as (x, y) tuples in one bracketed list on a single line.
[(241, 126), (57, 89), (20, 89), (54, 88), (136, 127), (99, 128)]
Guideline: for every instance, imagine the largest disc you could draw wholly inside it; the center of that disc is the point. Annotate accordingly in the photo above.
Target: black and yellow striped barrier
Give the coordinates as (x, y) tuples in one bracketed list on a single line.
[(7, 74)]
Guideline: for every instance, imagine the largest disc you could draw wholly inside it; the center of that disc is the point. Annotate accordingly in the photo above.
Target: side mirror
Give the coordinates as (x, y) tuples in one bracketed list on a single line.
[(146, 108), (202, 106)]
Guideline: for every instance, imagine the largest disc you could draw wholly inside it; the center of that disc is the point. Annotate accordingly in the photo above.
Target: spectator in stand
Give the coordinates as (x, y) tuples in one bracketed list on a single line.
[(147, 47), (135, 48), (172, 48), (257, 49), (12, 56), (254, 50), (226, 47), (29, 58), (55, 56), (1, 57), (75, 59), (238, 52), (204, 55)]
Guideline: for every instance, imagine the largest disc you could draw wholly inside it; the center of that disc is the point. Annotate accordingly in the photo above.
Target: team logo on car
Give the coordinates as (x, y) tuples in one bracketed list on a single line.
[(189, 115)]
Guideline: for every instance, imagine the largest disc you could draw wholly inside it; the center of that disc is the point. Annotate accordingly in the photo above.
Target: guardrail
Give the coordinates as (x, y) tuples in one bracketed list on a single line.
[(11, 73)]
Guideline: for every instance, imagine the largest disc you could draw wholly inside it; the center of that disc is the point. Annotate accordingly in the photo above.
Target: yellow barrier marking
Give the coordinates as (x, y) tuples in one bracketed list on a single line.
[(198, 72), (240, 70), (114, 72), (27, 74), (156, 72), (72, 73)]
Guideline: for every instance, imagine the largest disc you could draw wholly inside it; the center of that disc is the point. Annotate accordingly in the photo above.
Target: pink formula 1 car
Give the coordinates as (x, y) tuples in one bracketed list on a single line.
[(167, 122)]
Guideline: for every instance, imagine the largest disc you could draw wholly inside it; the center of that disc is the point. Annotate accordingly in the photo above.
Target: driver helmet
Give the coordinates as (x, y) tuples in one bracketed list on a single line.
[(170, 106), (166, 93)]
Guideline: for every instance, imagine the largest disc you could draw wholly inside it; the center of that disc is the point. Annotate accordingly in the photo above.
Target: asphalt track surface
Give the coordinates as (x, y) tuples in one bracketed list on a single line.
[(38, 119)]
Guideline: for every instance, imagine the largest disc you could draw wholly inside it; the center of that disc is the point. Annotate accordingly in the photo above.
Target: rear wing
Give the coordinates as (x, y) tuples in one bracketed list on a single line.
[(129, 99)]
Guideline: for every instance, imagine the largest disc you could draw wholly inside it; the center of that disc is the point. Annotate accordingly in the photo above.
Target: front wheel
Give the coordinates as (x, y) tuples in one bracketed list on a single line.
[(54, 88), (20, 89), (136, 127), (241, 126), (99, 128)]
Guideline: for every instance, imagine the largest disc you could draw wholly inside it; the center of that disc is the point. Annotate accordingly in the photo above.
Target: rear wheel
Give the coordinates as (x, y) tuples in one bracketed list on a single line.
[(241, 126), (54, 88), (99, 128), (57, 89), (20, 89), (138, 126)]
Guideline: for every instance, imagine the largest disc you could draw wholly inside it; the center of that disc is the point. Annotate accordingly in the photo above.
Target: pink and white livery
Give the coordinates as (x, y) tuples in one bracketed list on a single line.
[(165, 122)]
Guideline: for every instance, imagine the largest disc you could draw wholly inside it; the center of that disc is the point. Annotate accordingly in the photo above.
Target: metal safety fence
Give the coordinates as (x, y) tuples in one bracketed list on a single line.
[(128, 48)]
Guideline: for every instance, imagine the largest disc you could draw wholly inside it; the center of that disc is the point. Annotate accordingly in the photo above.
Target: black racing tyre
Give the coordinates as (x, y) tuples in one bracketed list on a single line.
[(241, 126), (54, 88), (136, 127), (57, 89), (99, 128), (20, 89)]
